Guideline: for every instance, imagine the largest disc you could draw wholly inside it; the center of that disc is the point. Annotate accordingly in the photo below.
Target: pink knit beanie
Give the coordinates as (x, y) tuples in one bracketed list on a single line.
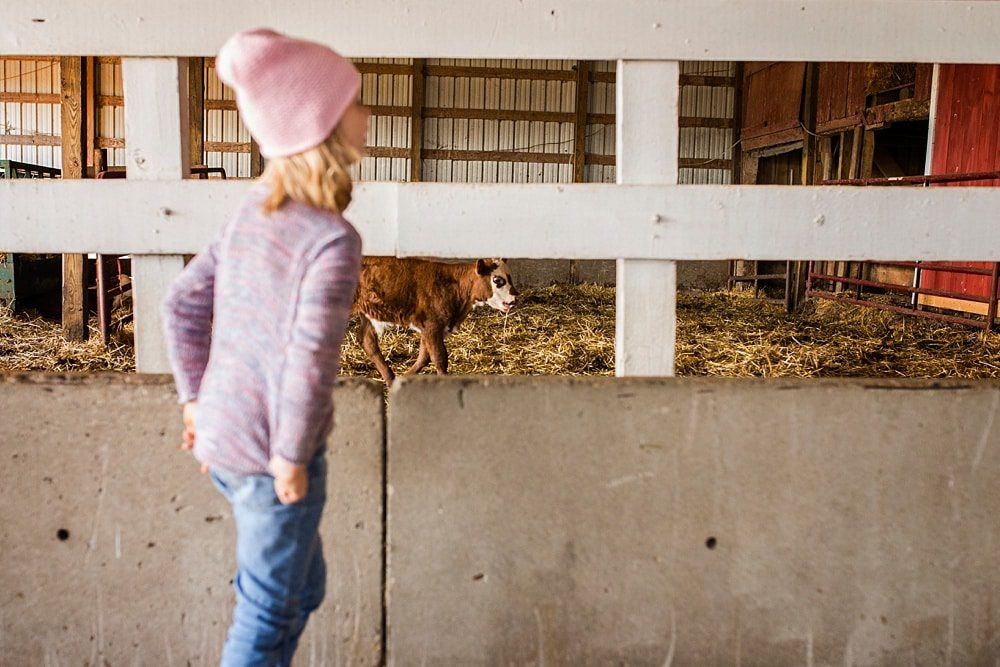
[(290, 93)]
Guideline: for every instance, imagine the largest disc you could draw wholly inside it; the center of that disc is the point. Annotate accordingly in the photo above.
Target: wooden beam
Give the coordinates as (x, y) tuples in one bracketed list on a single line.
[(647, 144), (111, 100), (500, 73), (73, 123), (880, 31), (229, 146), (580, 127), (158, 141), (683, 163), (93, 115), (196, 108), (494, 156), (893, 112), (30, 140), (417, 99), (710, 81), (221, 105), (29, 98)]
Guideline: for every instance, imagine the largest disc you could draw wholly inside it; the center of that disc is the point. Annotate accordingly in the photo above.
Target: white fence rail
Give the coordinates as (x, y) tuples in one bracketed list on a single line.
[(585, 221), (645, 226), (945, 31)]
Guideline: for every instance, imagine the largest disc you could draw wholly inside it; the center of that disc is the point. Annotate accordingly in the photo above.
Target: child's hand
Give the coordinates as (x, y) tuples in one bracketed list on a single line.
[(290, 480), (190, 410)]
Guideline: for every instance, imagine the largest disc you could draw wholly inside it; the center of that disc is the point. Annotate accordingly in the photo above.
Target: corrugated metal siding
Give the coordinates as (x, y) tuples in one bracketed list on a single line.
[(386, 130), (391, 132), (707, 143), (601, 137), (30, 76), (519, 136), (224, 126), (111, 124)]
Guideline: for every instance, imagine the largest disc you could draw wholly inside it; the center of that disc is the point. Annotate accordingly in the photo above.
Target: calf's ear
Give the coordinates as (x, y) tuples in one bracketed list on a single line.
[(484, 268)]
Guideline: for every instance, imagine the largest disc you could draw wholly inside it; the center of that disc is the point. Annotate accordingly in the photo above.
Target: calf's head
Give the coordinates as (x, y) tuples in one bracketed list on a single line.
[(496, 287)]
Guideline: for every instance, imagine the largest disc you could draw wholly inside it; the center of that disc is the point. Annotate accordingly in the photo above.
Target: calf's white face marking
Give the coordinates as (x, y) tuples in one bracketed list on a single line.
[(504, 293)]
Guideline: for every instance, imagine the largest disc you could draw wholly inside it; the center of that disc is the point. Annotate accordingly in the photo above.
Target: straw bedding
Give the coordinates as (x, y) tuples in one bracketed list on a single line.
[(570, 330)]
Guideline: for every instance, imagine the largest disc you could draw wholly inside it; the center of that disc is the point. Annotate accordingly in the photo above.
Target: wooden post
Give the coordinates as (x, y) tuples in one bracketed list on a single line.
[(196, 109), (580, 140), (157, 138), (417, 121), (73, 107), (648, 138), (256, 161), (738, 125), (580, 127), (93, 122), (799, 268)]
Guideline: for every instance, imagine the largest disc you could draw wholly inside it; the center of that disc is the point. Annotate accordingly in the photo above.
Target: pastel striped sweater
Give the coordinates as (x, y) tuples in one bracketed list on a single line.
[(254, 326)]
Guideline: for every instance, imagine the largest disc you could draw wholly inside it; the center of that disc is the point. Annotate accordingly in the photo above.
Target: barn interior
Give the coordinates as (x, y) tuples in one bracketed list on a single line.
[(830, 500)]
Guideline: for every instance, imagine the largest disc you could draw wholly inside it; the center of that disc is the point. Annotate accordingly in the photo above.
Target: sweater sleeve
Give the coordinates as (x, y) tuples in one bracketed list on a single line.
[(312, 357), (187, 321)]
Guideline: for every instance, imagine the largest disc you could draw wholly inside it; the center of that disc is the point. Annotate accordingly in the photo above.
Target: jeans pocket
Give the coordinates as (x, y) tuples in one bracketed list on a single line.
[(251, 491)]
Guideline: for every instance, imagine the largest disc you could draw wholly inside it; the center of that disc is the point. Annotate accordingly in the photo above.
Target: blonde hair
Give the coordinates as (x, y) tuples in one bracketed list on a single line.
[(318, 177)]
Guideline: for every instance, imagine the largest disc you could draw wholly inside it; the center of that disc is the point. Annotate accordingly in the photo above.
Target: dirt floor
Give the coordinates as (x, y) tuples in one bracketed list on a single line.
[(570, 330)]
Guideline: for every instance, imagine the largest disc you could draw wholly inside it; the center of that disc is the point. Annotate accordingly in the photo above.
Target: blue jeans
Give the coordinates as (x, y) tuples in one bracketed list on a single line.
[(280, 574)]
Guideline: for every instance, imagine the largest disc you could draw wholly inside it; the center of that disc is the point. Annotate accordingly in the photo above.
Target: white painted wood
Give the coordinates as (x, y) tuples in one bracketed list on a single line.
[(155, 117), (573, 221), (151, 278), (880, 30), (178, 217), (932, 119), (648, 136), (156, 149)]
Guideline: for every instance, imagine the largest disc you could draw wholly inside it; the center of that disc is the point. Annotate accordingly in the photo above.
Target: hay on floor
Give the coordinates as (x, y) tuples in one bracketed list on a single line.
[(570, 330), (31, 343)]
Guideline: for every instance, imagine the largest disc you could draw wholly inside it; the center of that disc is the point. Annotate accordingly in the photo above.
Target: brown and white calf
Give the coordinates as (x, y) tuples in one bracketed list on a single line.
[(432, 298)]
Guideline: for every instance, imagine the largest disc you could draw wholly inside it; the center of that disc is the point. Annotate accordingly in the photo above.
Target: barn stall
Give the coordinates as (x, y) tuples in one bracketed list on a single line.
[(631, 520), (500, 121), (530, 117)]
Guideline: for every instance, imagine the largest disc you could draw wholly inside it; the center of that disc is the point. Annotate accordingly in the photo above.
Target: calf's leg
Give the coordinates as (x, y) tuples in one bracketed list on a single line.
[(369, 342), (433, 339), (423, 358)]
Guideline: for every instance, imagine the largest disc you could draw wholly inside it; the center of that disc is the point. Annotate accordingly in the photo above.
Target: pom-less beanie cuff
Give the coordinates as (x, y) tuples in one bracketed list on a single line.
[(290, 93)]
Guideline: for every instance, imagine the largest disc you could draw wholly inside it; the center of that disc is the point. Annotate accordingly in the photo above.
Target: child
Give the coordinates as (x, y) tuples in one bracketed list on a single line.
[(254, 327)]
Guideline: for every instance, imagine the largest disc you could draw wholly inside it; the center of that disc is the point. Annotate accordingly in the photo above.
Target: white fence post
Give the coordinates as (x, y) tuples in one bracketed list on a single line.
[(647, 147), (156, 141)]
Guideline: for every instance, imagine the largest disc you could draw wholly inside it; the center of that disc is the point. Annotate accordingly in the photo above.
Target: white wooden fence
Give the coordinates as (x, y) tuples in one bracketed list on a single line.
[(646, 222)]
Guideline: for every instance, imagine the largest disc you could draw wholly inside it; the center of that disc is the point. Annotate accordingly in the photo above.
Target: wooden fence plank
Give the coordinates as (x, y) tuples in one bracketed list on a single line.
[(879, 31), (158, 141), (648, 140)]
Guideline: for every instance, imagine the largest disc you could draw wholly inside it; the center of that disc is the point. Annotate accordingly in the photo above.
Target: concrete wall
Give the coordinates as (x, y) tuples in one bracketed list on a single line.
[(707, 275), (143, 574), (530, 521), (650, 522)]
